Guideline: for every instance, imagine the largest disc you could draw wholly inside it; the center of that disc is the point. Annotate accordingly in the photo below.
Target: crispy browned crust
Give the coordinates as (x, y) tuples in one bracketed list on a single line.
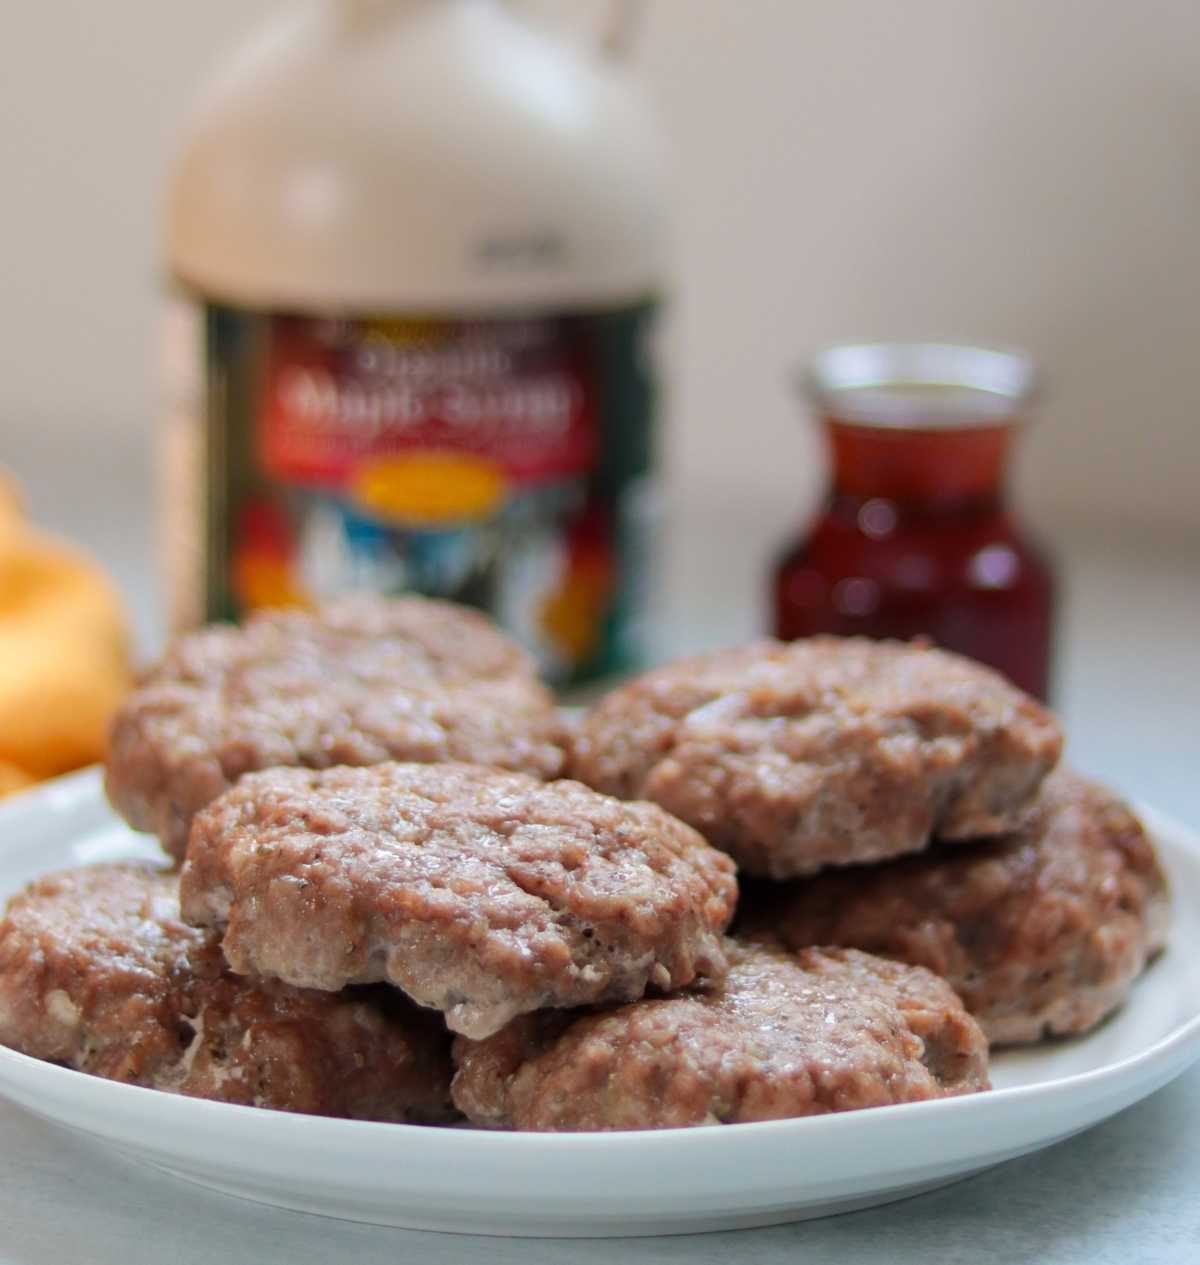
[(481, 893), (98, 972), (1041, 932), (359, 682), (784, 1035), (827, 751)]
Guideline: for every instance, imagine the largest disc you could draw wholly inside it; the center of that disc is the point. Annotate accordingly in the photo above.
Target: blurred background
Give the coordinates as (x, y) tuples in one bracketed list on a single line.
[(1016, 171)]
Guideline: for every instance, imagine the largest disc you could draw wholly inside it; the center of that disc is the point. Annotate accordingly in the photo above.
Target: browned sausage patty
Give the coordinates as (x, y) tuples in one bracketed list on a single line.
[(784, 1035), (360, 681), (97, 972), (481, 893), (822, 752), (1041, 932)]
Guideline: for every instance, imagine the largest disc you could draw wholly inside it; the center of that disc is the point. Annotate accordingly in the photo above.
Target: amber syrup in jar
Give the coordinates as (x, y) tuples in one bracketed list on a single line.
[(915, 537)]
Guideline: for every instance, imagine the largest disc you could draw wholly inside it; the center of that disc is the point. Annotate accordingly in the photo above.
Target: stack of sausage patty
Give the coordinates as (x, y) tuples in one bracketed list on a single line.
[(410, 892)]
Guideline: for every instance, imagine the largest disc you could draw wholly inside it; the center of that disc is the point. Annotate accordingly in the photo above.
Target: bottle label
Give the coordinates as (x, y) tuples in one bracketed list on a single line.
[(501, 462)]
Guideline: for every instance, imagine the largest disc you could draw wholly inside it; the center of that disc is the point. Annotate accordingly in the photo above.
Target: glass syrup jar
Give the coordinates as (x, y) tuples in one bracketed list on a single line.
[(915, 536)]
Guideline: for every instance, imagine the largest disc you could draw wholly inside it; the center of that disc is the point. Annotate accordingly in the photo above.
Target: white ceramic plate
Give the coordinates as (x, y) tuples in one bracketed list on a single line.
[(615, 1183)]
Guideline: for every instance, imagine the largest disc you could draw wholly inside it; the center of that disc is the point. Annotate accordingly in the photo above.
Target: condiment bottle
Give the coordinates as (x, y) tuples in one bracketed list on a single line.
[(915, 536), (415, 246)]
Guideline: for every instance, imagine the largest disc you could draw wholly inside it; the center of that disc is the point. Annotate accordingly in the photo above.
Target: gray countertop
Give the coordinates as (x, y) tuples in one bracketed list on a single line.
[(1125, 1192)]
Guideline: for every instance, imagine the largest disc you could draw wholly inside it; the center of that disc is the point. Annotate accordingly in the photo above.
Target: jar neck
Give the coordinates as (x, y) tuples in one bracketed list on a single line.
[(935, 470)]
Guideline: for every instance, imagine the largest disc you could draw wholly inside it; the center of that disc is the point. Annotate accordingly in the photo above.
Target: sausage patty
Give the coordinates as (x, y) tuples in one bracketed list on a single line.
[(98, 972), (828, 751), (481, 893), (360, 681), (1041, 932), (783, 1035)]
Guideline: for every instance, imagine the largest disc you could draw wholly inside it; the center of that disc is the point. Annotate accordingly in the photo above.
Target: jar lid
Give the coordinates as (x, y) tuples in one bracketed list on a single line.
[(920, 385)]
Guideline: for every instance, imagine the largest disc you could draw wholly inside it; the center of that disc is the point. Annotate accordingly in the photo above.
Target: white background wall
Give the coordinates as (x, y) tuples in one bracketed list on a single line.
[(1019, 170)]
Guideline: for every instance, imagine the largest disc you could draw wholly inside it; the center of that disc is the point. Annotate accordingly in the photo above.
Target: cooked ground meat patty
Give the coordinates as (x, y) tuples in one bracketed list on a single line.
[(784, 1035), (481, 893), (828, 751), (360, 681), (1041, 932), (98, 972)]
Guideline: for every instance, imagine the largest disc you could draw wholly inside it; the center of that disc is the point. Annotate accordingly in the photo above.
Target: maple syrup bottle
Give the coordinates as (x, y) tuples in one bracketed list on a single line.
[(915, 536), (416, 249)]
